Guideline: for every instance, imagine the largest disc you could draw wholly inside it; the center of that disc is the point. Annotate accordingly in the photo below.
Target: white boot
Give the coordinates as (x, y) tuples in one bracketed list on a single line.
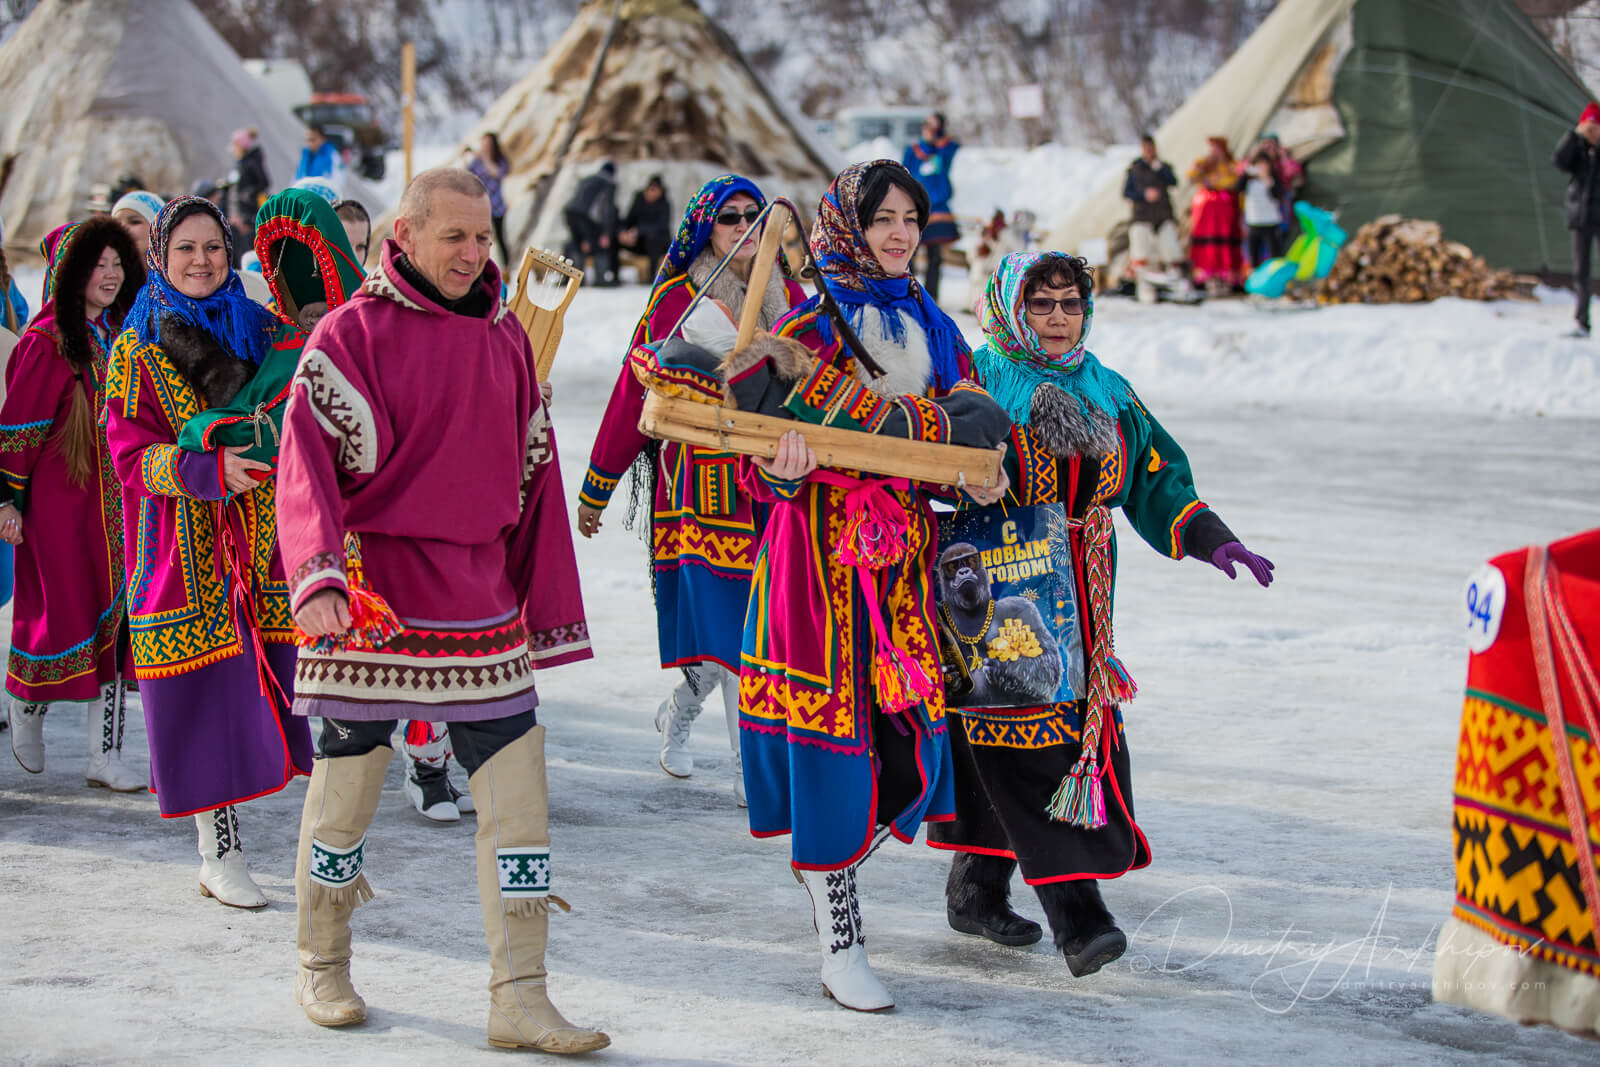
[(27, 735), (730, 705), (222, 870), (678, 712), (106, 722), (846, 975)]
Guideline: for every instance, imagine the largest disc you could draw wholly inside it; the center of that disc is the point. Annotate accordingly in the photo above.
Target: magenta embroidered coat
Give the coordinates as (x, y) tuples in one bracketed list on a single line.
[(70, 606), (420, 434)]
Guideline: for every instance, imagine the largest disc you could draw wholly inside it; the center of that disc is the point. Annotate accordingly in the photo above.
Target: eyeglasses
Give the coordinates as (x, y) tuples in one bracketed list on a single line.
[(731, 218), (1043, 305)]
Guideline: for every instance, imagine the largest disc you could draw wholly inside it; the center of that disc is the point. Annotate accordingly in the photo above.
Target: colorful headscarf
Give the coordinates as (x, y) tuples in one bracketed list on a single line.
[(242, 326), (1013, 363), (694, 232), (857, 280), (317, 262), (53, 248)]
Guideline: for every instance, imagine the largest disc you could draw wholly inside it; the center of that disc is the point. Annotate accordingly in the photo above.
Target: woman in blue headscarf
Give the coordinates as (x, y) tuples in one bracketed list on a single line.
[(208, 606), (1049, 788), (704, 529)]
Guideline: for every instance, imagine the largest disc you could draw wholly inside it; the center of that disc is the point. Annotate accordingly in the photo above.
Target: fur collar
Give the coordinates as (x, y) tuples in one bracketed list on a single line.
[(730, 289), (215, 376), (1068, 428), (907, 368)]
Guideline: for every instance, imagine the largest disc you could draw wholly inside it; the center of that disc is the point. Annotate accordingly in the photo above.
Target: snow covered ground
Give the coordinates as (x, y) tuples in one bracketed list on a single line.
[(1293, 752)]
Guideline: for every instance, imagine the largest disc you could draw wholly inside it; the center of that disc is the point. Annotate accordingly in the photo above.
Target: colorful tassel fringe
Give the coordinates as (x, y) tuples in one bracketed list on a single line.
[(901, 681), (1080, 800), (372, 624)]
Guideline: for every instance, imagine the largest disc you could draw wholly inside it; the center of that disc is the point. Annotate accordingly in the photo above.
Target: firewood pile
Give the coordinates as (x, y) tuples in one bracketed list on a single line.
[(1396, 260)]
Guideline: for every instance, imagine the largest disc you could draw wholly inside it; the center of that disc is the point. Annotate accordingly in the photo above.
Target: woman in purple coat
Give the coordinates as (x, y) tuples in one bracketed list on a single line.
[(213, 641)]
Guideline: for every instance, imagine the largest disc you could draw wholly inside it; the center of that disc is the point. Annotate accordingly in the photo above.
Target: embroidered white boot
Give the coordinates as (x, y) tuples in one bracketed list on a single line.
[(328, 884), (677, 714), (27, 735), (105, 743), (730, 706), (513, 845), (846, 975), (222, 870)]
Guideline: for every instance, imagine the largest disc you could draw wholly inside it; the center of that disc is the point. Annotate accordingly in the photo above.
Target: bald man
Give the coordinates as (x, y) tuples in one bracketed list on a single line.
[(419, 466)]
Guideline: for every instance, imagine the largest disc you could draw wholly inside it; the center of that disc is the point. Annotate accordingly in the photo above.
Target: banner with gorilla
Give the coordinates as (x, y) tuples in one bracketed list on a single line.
[(1009, 633)]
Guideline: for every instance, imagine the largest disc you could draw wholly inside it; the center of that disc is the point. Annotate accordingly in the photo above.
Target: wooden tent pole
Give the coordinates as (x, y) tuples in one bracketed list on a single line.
[(408, 98), (545, 183)]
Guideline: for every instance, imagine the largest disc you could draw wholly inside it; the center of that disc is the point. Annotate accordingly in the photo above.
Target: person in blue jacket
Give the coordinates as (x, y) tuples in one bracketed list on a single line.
[(13, 305), (319, 158), (930, 159)]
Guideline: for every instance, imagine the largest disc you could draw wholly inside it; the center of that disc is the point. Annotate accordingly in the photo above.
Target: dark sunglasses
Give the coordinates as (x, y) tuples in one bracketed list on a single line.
[(952, 567), (731, 218), (1043, 305)]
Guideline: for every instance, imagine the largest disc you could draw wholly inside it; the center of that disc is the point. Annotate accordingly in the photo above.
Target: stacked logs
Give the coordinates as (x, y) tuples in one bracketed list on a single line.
[(1396, 260)]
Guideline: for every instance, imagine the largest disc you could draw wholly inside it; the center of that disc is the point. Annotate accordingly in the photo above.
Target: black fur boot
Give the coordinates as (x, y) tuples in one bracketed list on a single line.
[(977, 899), (1084, 930)]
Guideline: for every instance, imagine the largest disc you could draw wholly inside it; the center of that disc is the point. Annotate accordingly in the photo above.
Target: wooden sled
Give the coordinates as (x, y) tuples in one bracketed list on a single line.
[(541, 306), (728, 429)]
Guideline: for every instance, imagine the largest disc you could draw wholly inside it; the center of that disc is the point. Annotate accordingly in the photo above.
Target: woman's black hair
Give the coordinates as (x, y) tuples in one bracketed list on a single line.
[(1058, 270), (500, 159), (877, 182), (938, 116)]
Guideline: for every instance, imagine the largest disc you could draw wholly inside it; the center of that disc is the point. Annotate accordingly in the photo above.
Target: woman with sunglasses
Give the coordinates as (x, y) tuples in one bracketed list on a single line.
[(703, 527), (842, 721), (1080, 437)]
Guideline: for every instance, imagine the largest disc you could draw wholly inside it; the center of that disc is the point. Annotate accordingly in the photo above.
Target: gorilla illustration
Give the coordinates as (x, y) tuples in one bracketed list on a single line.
[(1015, 661)]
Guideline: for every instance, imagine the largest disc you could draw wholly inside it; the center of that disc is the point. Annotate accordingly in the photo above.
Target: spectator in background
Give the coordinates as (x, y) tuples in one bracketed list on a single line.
[(248, 186), (1153, 244), (592, 223), (1578, 157), (1263, 208), (13, 305), (647, 227), (1291, 177), (136, 210), (491, 166), (1215, 231), (930, 159), (357, 227), (320, 158)]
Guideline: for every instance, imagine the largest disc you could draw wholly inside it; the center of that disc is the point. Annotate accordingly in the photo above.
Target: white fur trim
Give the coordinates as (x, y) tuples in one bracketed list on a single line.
[(1473, 969)]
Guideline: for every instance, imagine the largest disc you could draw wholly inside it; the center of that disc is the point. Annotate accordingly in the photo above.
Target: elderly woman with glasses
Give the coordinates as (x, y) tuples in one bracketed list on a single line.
[(704, 529), (1049, 788)]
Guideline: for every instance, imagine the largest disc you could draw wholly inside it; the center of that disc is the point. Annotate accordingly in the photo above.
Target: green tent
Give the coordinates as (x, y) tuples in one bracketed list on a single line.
[(1436, 109)]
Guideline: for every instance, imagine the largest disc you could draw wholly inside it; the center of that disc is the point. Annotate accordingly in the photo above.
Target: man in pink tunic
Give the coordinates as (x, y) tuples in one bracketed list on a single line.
[(419, 466)]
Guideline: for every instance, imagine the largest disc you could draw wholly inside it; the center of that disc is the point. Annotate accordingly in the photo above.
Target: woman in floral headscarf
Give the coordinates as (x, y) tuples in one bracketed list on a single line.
[(62, 504), (213, 640), (842, 721), (1058, 797), (703, 529)]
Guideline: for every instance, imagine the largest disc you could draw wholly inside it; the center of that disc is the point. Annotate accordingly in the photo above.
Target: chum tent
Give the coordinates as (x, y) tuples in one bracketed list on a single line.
[(656, 87), (1436, 109), (96, 89)]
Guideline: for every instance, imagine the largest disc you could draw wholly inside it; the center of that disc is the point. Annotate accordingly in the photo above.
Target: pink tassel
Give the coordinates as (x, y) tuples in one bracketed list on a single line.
[(1080, 800)]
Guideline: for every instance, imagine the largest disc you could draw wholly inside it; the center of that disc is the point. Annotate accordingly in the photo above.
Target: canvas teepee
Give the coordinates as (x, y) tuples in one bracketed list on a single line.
[(94, 89), (1438, 109), (656, 87)]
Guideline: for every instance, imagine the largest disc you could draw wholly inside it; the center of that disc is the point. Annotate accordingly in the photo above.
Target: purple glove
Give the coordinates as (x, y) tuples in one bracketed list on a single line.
[(1233, 552)]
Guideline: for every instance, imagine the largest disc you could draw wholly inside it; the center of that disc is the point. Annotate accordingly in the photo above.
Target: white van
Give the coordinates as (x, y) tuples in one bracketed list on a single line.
[(899, 125)]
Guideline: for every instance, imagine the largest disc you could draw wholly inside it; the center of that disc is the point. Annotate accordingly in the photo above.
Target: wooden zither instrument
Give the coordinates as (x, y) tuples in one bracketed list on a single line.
[(546, 284)]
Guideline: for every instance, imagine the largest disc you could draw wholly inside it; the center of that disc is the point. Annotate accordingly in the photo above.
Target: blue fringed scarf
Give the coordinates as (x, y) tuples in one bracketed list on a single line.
[(242, 326), (1013, 363)]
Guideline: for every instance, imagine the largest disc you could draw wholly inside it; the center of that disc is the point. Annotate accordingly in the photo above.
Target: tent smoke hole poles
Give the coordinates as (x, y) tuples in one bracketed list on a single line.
[(728, 429)]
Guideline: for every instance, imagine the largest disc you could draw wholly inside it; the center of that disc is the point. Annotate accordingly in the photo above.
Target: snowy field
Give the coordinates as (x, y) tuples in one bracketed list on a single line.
[(1293, 753)]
